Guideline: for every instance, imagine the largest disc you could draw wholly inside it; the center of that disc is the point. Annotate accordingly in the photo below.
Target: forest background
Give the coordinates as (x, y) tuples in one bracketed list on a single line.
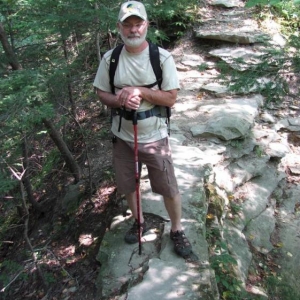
[(50, 119)]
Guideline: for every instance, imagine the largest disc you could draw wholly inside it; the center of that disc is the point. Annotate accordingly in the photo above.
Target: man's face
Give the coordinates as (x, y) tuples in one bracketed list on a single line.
[(133, 31)]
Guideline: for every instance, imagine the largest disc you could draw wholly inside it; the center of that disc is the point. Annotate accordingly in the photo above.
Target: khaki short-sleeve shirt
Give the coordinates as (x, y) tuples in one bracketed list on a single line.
[(136, 70)]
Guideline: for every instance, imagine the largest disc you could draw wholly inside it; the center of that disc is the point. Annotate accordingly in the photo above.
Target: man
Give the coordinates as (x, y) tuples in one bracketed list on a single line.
[(133, 73)]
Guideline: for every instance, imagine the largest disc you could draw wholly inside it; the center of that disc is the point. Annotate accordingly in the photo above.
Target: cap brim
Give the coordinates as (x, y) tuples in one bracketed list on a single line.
[(132, 14)]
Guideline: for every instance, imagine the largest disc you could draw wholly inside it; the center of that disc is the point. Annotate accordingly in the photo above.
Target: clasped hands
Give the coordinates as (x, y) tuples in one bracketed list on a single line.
[(129, 97)]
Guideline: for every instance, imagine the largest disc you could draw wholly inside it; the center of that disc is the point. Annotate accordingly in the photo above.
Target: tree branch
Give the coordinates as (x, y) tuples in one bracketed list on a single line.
[(11, 56)]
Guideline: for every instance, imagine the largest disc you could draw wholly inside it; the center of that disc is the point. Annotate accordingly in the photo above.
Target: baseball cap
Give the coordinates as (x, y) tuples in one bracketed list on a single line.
[(132, 8)]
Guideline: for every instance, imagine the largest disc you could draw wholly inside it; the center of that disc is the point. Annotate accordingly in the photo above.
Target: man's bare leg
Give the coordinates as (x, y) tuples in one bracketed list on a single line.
[(173, 207), (182, 246), (132, 203), (131, 235)]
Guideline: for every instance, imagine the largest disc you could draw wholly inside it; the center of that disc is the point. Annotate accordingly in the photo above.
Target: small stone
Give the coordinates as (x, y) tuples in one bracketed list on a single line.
[(266, 117), (73, 289)]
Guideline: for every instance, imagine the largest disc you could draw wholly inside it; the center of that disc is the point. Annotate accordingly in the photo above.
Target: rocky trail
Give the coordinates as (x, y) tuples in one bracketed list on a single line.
[(238, 168)]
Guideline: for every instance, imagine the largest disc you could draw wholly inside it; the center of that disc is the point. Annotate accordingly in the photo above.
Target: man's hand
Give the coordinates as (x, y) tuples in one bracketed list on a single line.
[(130, 97)]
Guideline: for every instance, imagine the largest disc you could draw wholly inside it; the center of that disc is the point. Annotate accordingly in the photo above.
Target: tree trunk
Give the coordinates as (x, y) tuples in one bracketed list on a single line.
[(12, 58), (98, 36), (70, 90), (64, 150), (26, 179)]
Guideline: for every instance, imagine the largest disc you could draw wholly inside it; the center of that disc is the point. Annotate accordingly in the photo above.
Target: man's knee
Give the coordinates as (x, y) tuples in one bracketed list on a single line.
[(175, 199)]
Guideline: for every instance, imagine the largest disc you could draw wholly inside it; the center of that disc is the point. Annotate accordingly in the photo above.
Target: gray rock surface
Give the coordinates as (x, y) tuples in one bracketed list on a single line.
[(236, 28), (225, 3), (239, 58)]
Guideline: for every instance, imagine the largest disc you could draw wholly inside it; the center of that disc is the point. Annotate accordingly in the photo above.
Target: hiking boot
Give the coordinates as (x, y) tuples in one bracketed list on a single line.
[(182, 246), (132, 235)]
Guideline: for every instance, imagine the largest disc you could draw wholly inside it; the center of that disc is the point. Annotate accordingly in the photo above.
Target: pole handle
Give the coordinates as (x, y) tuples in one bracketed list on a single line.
[(134, 117)]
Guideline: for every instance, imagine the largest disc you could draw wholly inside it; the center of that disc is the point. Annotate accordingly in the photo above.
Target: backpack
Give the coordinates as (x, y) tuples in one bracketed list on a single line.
[(155, 63)]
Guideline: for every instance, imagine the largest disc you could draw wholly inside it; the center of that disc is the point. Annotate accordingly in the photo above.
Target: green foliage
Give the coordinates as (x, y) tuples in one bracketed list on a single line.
[(23, 106), (280, 288), (251, 3), (169, 19), (24, 100), (49, 278), (8, 270), (108, 174), (7, 221), (6, 182), (287, 12), (11, 265), (235, 208), (237, 144), (289, 15), (212, 233), (268, 77), (224, 265), (259, 151), (202, 67), (50, 161), (295, 52)]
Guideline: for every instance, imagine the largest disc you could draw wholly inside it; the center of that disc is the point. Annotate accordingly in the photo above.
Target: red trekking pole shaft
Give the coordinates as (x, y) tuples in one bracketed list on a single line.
[(137, 177)]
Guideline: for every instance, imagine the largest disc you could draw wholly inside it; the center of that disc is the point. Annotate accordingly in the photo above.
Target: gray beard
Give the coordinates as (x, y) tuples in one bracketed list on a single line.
[(134, 42)]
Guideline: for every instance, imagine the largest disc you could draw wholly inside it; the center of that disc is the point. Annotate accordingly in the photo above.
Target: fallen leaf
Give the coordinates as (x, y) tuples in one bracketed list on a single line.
[(251, 237), (279, 245), (210, 216)]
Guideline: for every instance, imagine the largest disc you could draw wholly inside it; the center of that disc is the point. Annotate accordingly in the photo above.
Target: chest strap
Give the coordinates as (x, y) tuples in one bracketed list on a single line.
[(127, 115)]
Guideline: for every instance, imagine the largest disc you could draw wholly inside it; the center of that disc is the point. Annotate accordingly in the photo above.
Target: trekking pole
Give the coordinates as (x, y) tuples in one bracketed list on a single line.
[(137, 177)]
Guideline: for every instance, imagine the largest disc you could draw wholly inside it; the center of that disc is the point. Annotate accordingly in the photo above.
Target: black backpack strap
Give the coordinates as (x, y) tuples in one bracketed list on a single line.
[(155, 63), (114, 59), (154, 60), (113, 64)]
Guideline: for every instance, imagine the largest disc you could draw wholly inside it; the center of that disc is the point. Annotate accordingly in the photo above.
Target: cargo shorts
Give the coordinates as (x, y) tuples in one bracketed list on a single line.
[(158, 160)]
